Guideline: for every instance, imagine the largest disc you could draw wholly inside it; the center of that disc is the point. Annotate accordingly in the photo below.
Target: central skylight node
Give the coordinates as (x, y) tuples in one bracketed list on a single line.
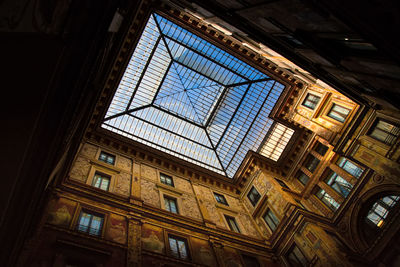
[(183, 95)]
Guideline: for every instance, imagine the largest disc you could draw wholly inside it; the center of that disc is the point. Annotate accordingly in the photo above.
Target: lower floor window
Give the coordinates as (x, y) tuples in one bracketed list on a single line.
[(178, 247), (90, 223), (232, 223), (296, 257), (271, 220), (327, 199)]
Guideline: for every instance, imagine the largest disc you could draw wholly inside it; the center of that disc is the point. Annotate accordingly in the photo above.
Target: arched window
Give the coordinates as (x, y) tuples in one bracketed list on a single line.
[(380, 209)]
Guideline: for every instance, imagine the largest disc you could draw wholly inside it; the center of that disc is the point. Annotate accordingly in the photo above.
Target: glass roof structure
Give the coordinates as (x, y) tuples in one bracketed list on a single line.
[(276, 141), (185, 96)]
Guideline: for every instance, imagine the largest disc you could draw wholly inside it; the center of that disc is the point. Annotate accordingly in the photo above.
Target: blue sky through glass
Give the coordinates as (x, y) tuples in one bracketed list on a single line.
[(185, 96)]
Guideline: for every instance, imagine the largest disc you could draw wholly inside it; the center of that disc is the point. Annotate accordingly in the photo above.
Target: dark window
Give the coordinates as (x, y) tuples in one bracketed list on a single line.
[(311, 163), (101, 180), (90, 223), (107, 157), (302, 177), (166, 179), (296, 257), (327, 199), (282, 183), (320, 149), (311, 101), (232, 224), (253, 196), (250, 261), (220, 199), (339, 184), (170, 204), (338, 113), (271, 220), (178, 247), (384, 131), (380, 209), (349, 167)]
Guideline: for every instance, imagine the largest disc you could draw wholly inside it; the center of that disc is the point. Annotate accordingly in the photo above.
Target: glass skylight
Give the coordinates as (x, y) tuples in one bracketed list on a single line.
[(185, 96), (276, 141)]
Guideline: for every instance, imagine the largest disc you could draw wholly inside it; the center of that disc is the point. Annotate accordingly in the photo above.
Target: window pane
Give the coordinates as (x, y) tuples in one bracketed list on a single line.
[(320, 149), (350, 167), (302, 177), (338, 113), (253, 196), (311, 101), (327, 199), (311, 163), (385, 132)]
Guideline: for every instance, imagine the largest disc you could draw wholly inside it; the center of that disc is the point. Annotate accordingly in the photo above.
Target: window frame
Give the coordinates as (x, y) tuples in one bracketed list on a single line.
[(299, 174), (177, 238), (298, 262), (91, 213), (168, 198), (325, 200), (166, 177), (218, 196), (337, 183), (337, 119), (108, 155), (102, 176), (253, 202), (309, 163), (376, 123), (341, 162), (229, 219), (306, 99), (275, 225), (386, 208)]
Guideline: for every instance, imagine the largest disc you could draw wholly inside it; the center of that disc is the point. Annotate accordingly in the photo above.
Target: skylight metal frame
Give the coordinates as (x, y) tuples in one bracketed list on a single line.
[(215, 110)]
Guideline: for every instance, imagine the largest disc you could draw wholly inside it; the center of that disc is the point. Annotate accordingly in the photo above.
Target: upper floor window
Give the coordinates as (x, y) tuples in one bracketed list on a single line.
[(327, 199), (232, 224), (107, 157), (282, 183), (90, 223), (302, 177), (178, 247), (311, 101), (320, 149), (271, 220), (338, 113), (339, 184), (250, 261), (253, 196), (101, 180), (166, 179), (311, 163), (384, 131), (296, 257), (220, 199), (350, 167), (380, 210), (170, 204)]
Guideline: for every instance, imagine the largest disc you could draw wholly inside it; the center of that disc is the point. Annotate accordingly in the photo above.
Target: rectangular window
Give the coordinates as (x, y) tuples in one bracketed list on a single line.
[(166, 179), (170, 204), (282, 183), (220, 199), (350, 167), (90, 223), (296, 257), (384, 131), (250, 261), (320, 149), (311, 163), (339, 184), (232, 224), (338, 113), (327, 199), (101, 180), (107, 157), (253, 196), (178, 247), (311, 101), (303, 178), (271, 220)]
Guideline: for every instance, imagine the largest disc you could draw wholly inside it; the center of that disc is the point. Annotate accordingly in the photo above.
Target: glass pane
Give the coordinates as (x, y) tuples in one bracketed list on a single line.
[(174, 247)]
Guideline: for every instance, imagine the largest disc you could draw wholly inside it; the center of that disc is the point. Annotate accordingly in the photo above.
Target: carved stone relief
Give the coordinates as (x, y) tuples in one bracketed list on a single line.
[(149, 193), (190, 207), (124, 163), (89, 150), (123, 184), (149, 173), (80, 169)]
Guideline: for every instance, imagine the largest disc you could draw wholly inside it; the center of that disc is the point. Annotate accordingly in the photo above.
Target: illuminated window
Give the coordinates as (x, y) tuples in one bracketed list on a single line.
[(232, 224), (220, 199), (170, 204), (185, 96), (303, 178), (276, 141), (311, 163), (101, 180), (271, 220), (338, 113), (350, 167), (166, 179), (311, 101), (253, 196), (327, 199), (296, 258), (385, 132), (178, 247), (90, 223), (380, 210), (107, 157), (339, 184)]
